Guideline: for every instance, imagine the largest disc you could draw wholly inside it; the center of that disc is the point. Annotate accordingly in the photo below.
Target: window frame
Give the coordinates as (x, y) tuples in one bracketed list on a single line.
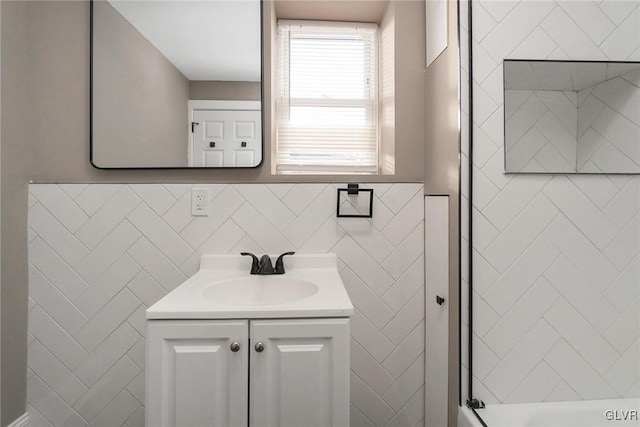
[(346, 160)]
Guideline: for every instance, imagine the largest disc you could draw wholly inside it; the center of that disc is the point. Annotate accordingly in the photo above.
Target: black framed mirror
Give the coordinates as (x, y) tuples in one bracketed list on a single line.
[(176, 84)]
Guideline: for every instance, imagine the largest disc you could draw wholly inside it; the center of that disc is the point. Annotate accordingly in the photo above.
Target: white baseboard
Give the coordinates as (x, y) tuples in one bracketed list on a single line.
[(22, 421)]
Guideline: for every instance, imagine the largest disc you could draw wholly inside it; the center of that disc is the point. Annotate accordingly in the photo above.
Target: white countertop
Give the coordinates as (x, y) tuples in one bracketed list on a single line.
[(190, 300)]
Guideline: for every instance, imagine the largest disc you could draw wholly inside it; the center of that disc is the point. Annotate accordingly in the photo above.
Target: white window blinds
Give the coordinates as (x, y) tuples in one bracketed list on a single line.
[(327, 102)]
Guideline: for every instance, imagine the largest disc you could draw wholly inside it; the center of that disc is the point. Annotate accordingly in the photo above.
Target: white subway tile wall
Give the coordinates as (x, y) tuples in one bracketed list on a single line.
[(100, 254), (556, 258)]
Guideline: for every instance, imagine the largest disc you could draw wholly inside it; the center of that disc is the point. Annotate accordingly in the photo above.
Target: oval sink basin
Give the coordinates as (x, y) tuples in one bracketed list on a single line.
[(259, 290)]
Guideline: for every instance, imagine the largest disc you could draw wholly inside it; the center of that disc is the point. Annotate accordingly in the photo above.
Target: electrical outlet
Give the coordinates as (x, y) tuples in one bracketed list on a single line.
[(200, 202)]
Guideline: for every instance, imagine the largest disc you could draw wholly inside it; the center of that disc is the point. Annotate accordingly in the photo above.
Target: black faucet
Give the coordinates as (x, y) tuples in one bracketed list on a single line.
[(255, 266), (263, 265), (280, 263)]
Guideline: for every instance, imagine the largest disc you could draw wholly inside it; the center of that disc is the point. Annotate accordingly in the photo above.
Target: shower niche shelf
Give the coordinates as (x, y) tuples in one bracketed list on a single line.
[(572, 117)]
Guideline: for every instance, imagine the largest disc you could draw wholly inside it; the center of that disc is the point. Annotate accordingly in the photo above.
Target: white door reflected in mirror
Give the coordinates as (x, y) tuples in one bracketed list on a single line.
[(225, 134)]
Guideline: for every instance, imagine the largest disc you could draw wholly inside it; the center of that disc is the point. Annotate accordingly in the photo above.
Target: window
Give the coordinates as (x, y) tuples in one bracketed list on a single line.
[(327, 105)]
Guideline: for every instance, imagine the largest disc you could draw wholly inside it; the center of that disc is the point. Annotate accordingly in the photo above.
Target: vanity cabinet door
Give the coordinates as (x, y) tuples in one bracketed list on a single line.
[(194, 376), (299, 373)]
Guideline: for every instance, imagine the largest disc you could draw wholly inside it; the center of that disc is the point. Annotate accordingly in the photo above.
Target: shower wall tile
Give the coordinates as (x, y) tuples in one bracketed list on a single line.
[(618, 376), (556, 257), (522, 359), (577, 373), (622, 333), (522, 316), (101, 254), (536, 386)]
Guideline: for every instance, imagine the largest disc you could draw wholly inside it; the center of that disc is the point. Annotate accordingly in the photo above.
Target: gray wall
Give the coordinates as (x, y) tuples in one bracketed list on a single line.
[(0, 223), (128, 67), (441, 174), (222, 90), (387, 100), (16, 132), (410, 59), (45, 135)]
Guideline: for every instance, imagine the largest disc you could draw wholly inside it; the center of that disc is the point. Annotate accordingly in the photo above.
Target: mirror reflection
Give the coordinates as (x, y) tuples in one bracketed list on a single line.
[(572, 117), (176, 84)]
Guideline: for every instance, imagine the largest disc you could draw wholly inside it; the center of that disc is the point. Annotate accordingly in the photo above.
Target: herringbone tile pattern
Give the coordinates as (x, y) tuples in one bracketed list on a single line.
[(589, 130), (541, 130), (101, 254), (609, 126), (556, 258)]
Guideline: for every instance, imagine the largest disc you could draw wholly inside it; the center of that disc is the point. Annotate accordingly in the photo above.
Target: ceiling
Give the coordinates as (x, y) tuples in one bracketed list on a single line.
[(205, 40), (332, 10)]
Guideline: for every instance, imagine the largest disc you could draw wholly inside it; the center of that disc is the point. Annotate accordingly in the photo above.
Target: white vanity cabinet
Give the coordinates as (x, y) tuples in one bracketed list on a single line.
[(301, 378), (231, 348), (193, 376), (267, 372)]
